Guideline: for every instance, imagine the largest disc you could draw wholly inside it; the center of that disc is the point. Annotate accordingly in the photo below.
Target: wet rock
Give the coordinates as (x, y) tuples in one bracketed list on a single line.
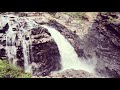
[(71, 73), (43, 50), (103, 40), (2, 52), (5, 28), (45, 53), (3, 42), (19, 56)]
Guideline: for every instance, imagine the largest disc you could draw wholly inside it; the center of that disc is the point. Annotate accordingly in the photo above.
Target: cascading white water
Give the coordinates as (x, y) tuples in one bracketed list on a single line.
[(11, 49), (25, 43), (10, 39), (26, 56), (69, 58)]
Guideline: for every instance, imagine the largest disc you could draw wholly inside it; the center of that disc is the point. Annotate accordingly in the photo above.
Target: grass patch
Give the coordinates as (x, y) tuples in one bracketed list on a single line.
[(10, 71)]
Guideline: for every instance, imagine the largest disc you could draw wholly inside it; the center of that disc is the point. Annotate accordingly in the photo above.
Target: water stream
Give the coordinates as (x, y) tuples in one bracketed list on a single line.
[(69, 58)]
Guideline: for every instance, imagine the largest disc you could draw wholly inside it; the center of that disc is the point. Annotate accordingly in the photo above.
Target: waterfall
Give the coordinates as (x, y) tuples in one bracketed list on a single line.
[(26, 56), (25, 45), (69, 58), (11, 49), (10, 41)]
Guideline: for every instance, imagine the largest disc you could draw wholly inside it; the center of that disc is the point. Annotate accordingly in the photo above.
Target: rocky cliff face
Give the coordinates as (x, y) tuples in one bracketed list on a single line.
[(101, 41), (42, 52)]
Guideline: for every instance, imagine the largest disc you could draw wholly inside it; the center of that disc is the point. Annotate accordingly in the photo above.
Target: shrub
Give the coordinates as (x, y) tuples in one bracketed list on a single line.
[(10, 71)]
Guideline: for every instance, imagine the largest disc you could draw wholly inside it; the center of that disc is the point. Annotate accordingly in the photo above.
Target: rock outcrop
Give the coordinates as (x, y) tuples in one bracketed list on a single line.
[(42, 52), (102, 41), (71, 73)]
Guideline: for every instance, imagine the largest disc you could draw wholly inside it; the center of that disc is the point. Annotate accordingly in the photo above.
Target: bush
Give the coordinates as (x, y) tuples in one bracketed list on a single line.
[(10, 71)]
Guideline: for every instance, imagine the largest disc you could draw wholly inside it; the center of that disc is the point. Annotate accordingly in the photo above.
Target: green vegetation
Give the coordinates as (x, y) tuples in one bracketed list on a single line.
[(10, 71), (77, 15)]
